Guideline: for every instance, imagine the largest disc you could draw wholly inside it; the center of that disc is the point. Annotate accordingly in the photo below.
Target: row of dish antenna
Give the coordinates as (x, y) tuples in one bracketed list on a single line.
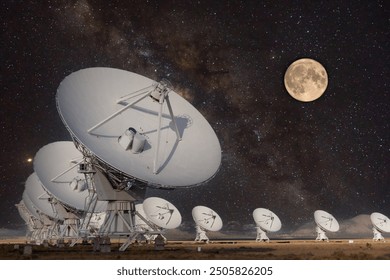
[(129, 133), (47, 218)]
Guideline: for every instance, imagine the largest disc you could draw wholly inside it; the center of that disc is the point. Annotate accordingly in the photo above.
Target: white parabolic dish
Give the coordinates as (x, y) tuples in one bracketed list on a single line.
[(87, 97), (162, 213), (380, 222), (206, 218), (39, 197), (326, 221), (54, 159), (267, 220), (30, 205)]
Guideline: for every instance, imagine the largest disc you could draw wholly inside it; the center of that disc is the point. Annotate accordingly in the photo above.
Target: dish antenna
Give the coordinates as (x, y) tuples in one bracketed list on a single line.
[(61, 169), (162, 213), (266, 221), (34, 224), (381, 224), (38, 202), (206, 219), (40, 198), (325, 222), (27, 218), (68, 177), (138, 129)]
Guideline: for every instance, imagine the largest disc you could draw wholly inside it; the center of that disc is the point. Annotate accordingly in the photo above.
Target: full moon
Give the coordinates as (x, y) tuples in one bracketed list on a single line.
[(306, 79)]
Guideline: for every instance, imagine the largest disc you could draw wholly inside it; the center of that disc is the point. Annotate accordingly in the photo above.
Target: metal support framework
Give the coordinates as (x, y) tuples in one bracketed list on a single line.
[(321, 236), (73, 228), (70, 229), (377, 235), (119, 218), (149, 233), (201, 235), (261, 235), (90, 204), (116, 178), (47, 229)]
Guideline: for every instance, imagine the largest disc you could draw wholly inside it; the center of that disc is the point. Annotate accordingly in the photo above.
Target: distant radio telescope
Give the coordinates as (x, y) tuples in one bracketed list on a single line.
[(206, 219), (306, 80), (380, 223), (266, 221), (325, 223)]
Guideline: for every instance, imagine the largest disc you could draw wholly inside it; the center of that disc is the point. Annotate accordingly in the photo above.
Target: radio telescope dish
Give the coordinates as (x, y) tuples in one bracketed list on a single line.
[(35, 222), (56, 165), (266, 221), (325, 222), (205, 219), (162, 213), (30, 205), (39, 197), (381, 224), (138, 127)]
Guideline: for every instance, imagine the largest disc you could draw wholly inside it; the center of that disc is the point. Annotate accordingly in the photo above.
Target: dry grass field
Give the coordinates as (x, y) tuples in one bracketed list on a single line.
[(218, 250)]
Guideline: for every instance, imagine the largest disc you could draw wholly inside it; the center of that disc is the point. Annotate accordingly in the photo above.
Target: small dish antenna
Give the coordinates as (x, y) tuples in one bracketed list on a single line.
[(325, 222), (205, 219), (380, 224), (266, 221), (139, 129), (162, 213)]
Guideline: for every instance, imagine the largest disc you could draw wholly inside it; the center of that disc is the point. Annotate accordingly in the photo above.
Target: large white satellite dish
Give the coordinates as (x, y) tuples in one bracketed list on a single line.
[(266, 221), (206, 219), (39, 196), (162, 213), (325, 222), (56, 165), (114, 115), (381, 223)]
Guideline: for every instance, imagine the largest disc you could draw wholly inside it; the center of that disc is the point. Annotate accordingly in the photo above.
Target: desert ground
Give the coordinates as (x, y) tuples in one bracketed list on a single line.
[(367, 249)]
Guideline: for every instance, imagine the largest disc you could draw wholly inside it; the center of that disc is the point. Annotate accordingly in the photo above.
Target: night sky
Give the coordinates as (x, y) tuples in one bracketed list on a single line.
[(228, 59)]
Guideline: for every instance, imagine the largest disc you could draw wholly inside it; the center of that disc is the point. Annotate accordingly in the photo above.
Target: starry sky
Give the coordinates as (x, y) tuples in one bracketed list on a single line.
[(228, 59)]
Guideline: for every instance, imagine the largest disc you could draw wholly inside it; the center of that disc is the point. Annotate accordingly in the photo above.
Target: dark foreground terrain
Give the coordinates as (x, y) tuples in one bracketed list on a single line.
[(218, 250)]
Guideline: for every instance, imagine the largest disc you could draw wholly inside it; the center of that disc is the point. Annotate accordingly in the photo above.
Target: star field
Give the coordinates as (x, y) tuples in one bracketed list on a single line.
[(228, 59)]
